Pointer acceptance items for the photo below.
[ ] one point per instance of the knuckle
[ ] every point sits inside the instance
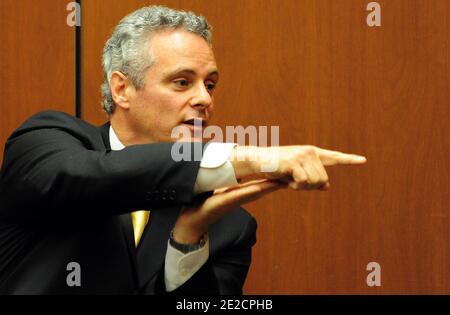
(286, 168)
(304, 151)
(309, 149)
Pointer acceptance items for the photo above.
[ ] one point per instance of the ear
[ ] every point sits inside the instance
(121, 89)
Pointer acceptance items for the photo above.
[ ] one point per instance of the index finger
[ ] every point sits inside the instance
(328, 158)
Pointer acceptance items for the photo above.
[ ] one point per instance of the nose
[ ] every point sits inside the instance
(202, 98)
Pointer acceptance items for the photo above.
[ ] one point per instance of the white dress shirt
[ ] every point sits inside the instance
(216, 171)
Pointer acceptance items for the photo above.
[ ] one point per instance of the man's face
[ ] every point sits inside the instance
(178, 87)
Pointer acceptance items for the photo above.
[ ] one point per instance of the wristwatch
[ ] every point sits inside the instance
(187, 248)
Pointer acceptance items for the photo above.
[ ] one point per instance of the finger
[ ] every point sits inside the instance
(222, 190)
(297, 186)
(300, 178)
(329, 158)
(238, 196)
(313, 176)
(325, 186)
(240, 185)
(254, 182)
(322, 173)
(252, 191)
(218, 205)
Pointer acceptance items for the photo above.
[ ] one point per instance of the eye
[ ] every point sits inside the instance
(181, 83)
(210, 86)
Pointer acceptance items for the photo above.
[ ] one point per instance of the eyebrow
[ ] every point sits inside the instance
(191, 72)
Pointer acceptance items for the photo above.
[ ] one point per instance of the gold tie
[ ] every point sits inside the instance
(140, 220)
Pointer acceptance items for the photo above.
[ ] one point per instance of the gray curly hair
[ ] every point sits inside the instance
(127, 50)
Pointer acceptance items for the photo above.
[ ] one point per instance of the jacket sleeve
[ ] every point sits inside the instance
(59, 170)
(225, 272)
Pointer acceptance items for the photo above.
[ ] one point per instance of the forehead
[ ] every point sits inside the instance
(172, 49)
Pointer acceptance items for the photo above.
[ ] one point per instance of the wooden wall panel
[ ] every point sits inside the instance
(314, 68)
(37, 60)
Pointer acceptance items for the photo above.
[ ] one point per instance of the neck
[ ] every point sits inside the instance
(124, 130)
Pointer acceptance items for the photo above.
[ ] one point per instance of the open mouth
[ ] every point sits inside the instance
(195, 122)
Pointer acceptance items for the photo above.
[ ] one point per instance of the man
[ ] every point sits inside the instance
(87, 210)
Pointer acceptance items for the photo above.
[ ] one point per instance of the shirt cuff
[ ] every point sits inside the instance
(216, 171)
(180, 267)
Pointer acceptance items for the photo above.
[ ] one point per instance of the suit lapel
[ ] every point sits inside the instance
(149, 257)
(125, 219)
(104, 130)
(127, 229)
(153, 246)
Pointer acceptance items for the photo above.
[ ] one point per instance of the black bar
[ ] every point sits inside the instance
(78, 67)
(262, 304)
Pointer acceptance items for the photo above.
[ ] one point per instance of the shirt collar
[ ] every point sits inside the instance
(114, 141)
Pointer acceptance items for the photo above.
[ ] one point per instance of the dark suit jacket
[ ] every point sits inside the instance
(66, 197)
